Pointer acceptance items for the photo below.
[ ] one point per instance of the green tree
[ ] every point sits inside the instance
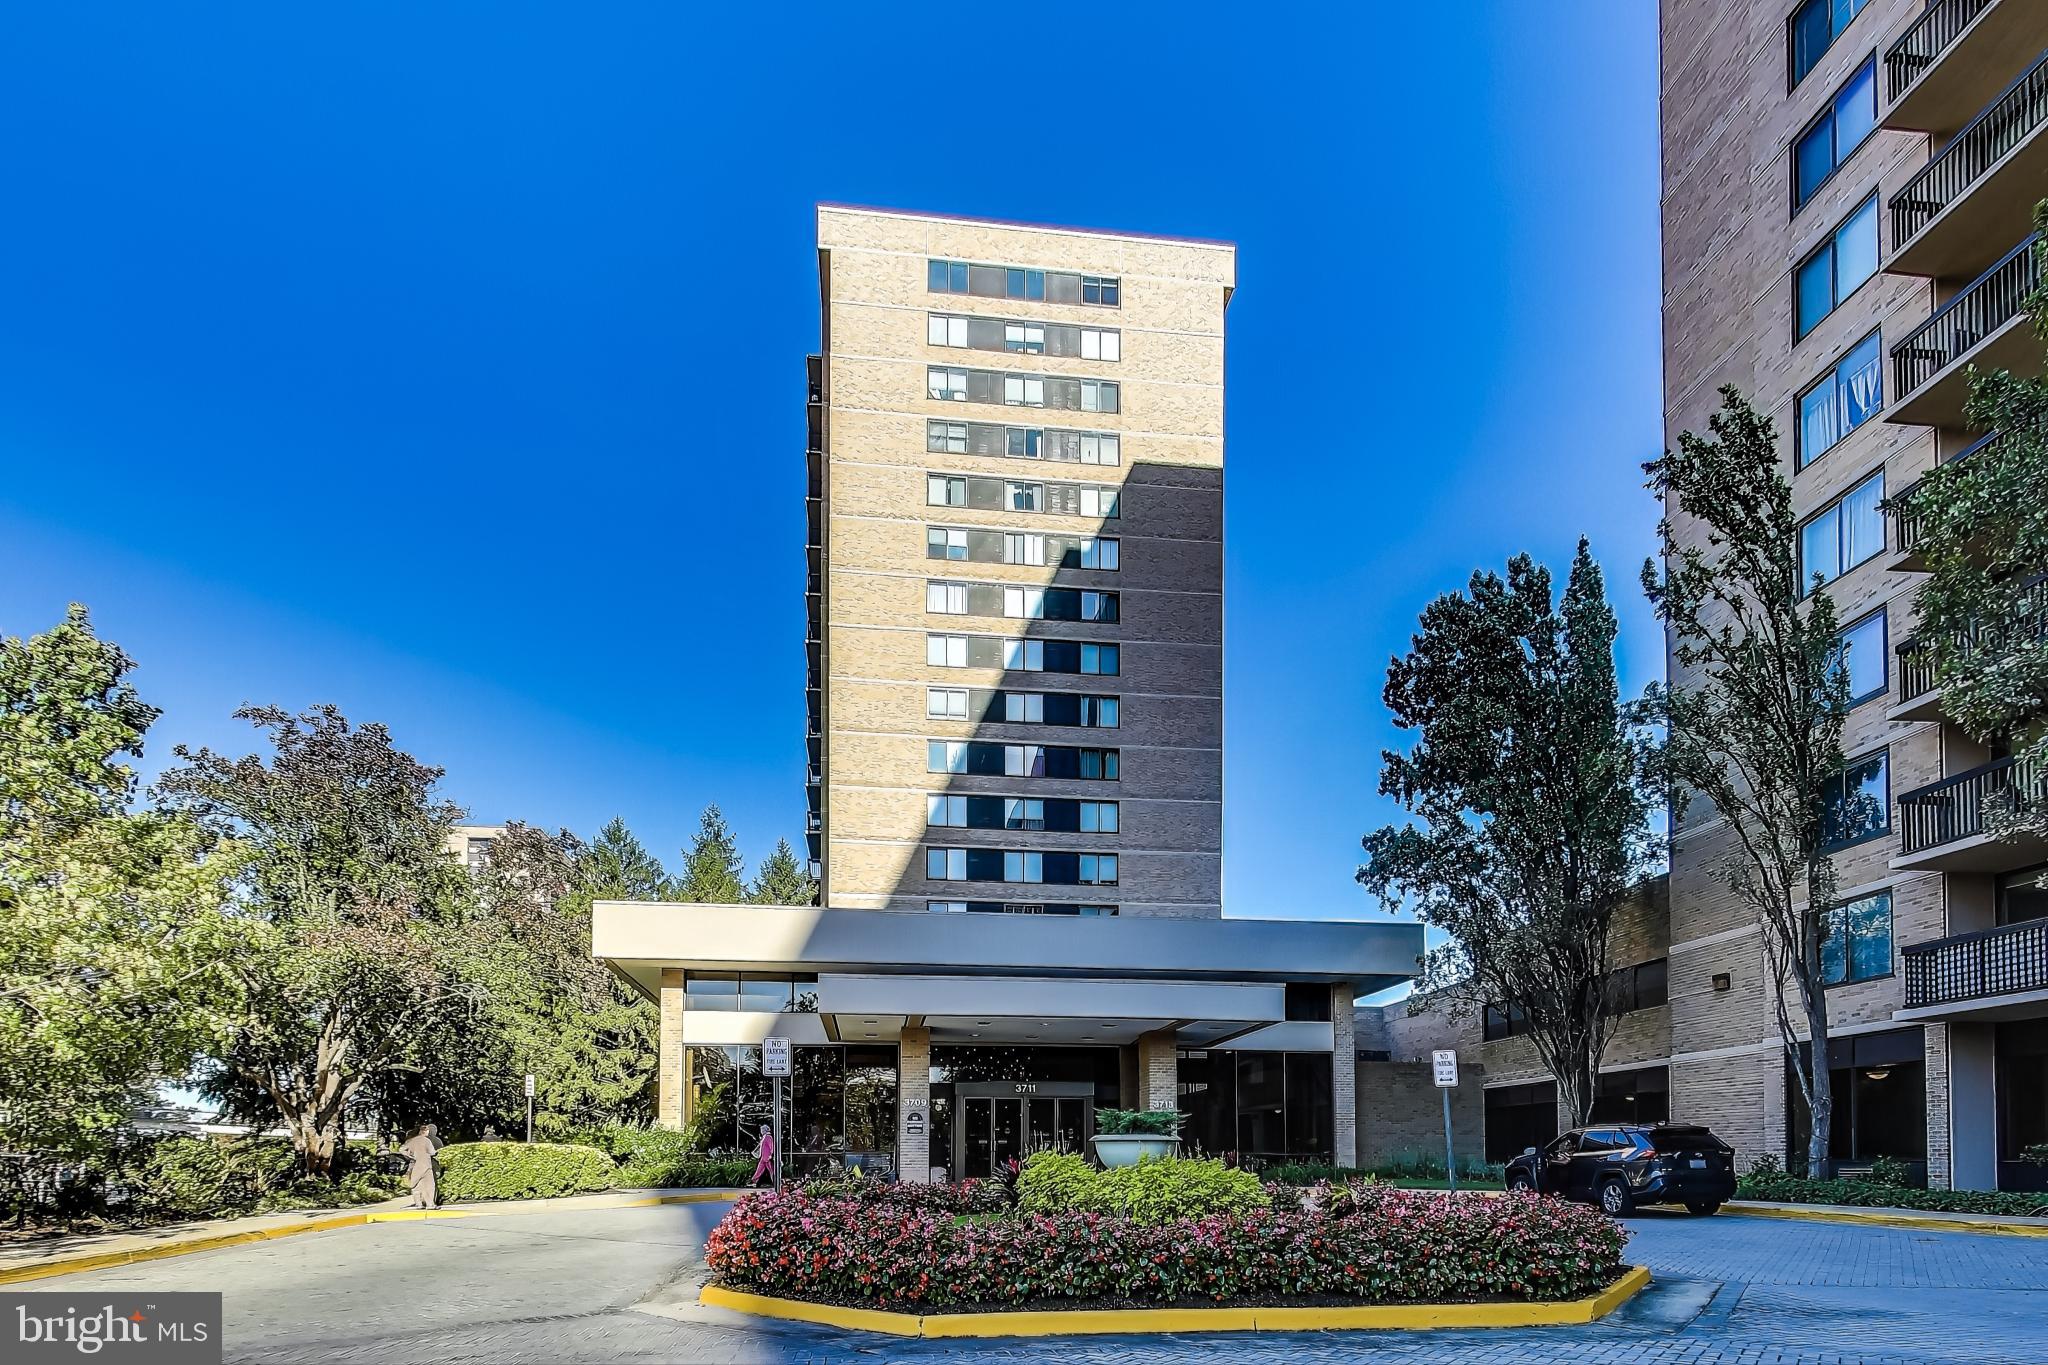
(112, 934)
(357, 964)
(617, 866)
(1526, 776)
(1753, 716)
(1983, 609)
(782, 880)
(713, 871)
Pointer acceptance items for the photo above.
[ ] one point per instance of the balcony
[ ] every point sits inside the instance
(1985, 325)
(1955, 58)
(1910, 526)
(1991, 974)
(1919, 690)
(1950, 220)
(1950, 825)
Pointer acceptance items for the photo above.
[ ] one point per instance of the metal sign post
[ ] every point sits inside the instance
(775, 1064)
(1444, 1062)
(529, 1106)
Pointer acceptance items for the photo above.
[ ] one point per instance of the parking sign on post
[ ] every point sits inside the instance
(1444, 1063)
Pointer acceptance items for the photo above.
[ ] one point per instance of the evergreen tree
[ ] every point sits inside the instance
(617, 866)
(782, 880)
(713, 871)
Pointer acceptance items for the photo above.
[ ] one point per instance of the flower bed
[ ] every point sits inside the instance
(1362, 1246)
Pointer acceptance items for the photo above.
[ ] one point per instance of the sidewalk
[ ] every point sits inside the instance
(1999, 1225)
(44, 1257)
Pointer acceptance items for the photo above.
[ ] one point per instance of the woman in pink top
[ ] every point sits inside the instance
(765, 1150)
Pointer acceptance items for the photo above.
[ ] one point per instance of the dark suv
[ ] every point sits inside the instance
(1626, 1164)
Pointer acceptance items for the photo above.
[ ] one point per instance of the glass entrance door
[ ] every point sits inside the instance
(996, 1128)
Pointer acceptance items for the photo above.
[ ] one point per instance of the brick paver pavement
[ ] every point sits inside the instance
(620, 1286)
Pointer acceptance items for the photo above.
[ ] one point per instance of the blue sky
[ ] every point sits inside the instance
(445, 362)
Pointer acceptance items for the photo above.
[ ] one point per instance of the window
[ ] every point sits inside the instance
(1021, 547)
(945, 864)
(1098, 869)
(1098, 764)
(1024, 760)
(477, 853)
(1099, 711)
(1863, 659)
(948, 386)
(1838, 131)
(1813, 28)
(1098, 606)
(1098, 552)
(1635, 988)
(1025, 284)
(1024, 708)
(946, 907)
(945, 703)
(1022, 442)
(1023, 391)
(1850, 531)
(945, 651)
(949, 599)
(945, 543)
(946, 811)
(1024, 604)
(1100, 659)
(1856, 804)
(1099, 396)
(946, 277)
(1101, 345)
(1856, 940)
(1025, 337)
(1023, 867)
(1098, 817)
(1099, 502)
(2022, 897)
(1023, 812)
(1102, 289)
(1100, 448)
(940, 330)
(947, 436)
(945, 756)
(1028, 655)
(1840, 264)
(1502, 1021)
(1841, 400)
(945, 490)
(1024, 497)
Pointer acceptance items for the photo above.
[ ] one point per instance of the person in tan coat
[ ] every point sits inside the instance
(418, 1151)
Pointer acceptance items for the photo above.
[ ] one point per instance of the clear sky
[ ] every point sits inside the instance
(445, 362)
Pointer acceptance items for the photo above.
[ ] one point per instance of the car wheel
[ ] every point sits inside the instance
(1705, 1207)
(1518, 1181)
(1614, 1199)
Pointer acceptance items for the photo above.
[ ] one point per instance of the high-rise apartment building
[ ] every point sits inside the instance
(1014, 679)
(1847, 197)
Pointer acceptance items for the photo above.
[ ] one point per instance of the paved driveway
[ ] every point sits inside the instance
(620, 1285)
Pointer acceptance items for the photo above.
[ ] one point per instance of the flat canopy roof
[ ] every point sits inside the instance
(640, 938)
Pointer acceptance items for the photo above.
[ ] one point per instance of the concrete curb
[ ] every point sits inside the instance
(1090, 1321)
(1930, 1222)
(101, 1260)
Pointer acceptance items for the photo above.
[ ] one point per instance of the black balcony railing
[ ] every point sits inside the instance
(1992, 299)
(2002, 126)
(1920, 46)
(1972, 966)
(1966, 805)
(1912, 523)
(2028, 621)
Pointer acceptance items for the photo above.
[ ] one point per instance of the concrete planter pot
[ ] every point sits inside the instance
(1128, 1149)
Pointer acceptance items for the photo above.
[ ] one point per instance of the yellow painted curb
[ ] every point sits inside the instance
(1079, 1321)
(1888, 1220)
(101, 1260)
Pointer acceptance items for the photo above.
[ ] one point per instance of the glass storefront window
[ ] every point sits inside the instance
(711, 990)
(1310, 1125)
(1262, 1104)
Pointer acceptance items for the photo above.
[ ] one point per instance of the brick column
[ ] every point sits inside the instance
(914, 1096)
(1939, 1100)
(1158, 1071)
(669, 1060)
(1344, 1074)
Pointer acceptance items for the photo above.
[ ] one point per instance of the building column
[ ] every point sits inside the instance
(669, 1061)
(914, 1106)
(1344, 1074)
(1971, 1117)
(1158, 1070)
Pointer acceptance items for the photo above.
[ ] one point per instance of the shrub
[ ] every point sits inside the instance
(520, 1170)
(1150, 1192)
(1766, 1180)
(1396, 1246)
(1152, 1122)
(961, 1197)
(662, 1158)
(1399, 1169)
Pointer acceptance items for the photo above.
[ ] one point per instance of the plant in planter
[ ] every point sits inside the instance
(1123, 1137)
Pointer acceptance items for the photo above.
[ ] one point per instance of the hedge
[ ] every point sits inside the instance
(1157, 1191)
(520, 1170)
(1777, 1187)
(1375, 1245)
(662, 1158)
(962, 1197)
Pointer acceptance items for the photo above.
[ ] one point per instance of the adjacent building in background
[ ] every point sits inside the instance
(1847, 199)
(1015, 698)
